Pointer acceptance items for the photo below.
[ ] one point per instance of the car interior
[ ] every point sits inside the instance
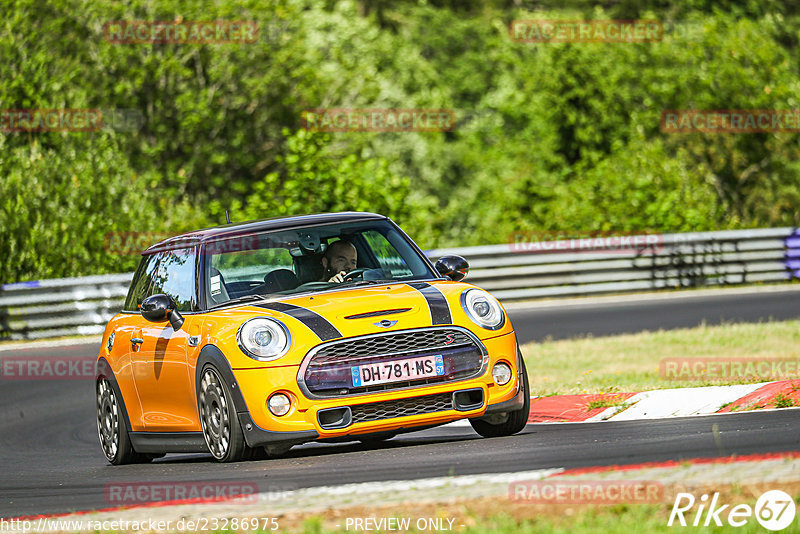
(307, 251)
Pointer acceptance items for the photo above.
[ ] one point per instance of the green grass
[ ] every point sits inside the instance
(782, 401)
(642, 519)
(605, 403)
(631, 362)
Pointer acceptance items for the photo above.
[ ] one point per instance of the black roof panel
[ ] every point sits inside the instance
(252, 227)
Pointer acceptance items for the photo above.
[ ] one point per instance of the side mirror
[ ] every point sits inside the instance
(453, 267)
(157, 308)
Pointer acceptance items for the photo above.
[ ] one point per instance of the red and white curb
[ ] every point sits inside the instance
(658, 404)
(662, 403)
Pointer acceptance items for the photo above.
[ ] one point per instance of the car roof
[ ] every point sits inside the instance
(196, 237)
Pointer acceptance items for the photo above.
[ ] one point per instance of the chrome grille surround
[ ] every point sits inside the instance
(398, 343)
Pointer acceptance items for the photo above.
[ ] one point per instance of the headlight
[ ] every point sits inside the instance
(483, 309)
(263, 339)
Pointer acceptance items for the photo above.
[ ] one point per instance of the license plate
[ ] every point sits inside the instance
(396, 371)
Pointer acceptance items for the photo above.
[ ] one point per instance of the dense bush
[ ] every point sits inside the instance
(548, 136)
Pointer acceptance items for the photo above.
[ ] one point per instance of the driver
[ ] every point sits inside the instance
(339, 259)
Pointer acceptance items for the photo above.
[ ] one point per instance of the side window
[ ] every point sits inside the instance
(175, 276)
(389, 259)
(142, 282)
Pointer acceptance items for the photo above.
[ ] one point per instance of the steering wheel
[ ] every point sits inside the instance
(354, 273)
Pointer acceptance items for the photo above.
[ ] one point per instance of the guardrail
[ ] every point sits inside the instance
(702, 259)
(61, 307)
(516, 271)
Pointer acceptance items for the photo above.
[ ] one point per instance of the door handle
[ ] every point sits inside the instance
(137, 340)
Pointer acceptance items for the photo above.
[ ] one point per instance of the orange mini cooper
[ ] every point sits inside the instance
(246, 339)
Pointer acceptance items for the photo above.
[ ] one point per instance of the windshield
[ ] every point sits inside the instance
(317, 258)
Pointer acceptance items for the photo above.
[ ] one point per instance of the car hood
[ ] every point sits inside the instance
(316, 318)
(378, 308)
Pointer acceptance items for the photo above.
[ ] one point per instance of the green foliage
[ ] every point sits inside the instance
(57, 205)
(315, 182)
(548, 136)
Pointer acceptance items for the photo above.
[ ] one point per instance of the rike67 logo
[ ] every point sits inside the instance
(774, 510)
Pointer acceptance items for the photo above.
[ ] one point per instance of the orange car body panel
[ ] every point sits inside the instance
(157, 378)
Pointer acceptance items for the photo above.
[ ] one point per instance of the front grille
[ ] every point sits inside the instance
(375, 411)
(386, 344)
(327, 369)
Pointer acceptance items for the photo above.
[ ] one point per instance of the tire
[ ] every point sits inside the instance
(111, 428)
(221, 428)
(515, 421)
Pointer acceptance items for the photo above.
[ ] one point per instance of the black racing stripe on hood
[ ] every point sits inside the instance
(317, 323)
(437, 303)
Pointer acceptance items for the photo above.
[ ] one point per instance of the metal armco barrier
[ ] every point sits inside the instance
(61, 307)
(518, 271)
(702, 259)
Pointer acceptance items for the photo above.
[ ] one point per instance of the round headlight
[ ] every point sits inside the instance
(483, 309)
(263, 339)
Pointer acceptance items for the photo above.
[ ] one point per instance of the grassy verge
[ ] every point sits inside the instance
(640, 519)
(631, 362)
(501, 516)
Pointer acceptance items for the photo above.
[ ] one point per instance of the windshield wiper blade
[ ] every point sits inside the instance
(356, 283)
(242, 298)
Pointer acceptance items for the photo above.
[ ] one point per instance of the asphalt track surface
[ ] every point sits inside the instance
(51, 461)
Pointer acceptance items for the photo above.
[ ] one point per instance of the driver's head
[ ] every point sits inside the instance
(340, 256)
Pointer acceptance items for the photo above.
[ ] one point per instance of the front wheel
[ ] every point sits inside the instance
(111, 428)
(221, 428)
(497, 425)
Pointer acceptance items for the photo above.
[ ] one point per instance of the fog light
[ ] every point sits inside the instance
(501, 372)
(279, 404)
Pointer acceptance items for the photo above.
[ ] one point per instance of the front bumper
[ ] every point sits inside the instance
(386, 411)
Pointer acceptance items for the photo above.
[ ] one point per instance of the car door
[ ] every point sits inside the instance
(161, 371)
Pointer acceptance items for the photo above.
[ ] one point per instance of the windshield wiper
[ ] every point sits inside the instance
(356, 283)
(242, 298)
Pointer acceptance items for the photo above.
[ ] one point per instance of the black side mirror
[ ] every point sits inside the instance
(157, 308)
(453, 267)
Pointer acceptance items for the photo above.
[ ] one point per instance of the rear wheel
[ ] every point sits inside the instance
(111, 428)
(221, 428)
(497, 425)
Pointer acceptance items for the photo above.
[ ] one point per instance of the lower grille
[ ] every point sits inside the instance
(375, 411)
